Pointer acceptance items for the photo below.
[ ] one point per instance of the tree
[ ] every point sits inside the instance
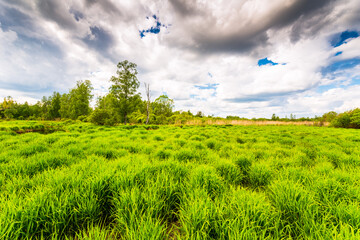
(199, 114)
(342, 120)
(105, 112)
(80, 97)
(329, 116)
(65, 105)
(76, 103)
(54, 111)
(102, 117)
(355, 118)
(45, 106)
(163, 105)
(124, 88)
(274, 117)
(8, 107)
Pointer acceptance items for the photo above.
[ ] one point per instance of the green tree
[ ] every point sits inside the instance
(274, 117)
(328, 117)
(105, 112)
(77, 102)
(163, 105)
(355, 118)
(125, 87)
(8, 107)
(45, 106)
(65, 105)
(80, 98)
(54, 110)
(200, 114)
(342, 120)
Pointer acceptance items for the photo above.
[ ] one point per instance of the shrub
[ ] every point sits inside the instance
(83, 118)
(355, 118)
(349, 119)
(102, 117)
(342, 121)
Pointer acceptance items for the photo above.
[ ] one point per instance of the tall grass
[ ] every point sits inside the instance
(189, 182)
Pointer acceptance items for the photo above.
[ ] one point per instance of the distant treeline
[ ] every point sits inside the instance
(123, 104)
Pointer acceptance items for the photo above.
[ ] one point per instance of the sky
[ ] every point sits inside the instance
(249, 58)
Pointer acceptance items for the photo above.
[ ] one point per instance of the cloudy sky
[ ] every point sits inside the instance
(249, 58)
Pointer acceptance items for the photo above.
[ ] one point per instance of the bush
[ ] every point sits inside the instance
(355, 118)
(349, 119)
(102, 117)
(82, 118)
(341, 121)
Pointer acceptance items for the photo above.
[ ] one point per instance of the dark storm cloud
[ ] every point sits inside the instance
(306, 16)
(13, 19)
(185, 8)
(289, 15)
(106, 5)
(312, 17)
(57, 12)
(77, 14)
(100, 40)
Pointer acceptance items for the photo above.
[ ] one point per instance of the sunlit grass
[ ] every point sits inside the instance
(80, 181)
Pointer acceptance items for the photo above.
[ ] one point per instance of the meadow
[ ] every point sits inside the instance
(72, 180)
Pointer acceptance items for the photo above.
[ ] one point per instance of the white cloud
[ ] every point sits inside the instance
(223, 38)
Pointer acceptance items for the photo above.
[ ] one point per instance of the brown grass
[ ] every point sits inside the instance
(250, 122)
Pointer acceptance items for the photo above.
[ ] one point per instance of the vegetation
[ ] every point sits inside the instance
(123, 104)
(349, 119)
(73, 180)
(124, 89)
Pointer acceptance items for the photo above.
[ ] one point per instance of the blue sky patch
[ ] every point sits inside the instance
(355, 81)
(340, 38)
(266, 61)
(207, 86)
(155, 29)
(338, 53)
(340, 65)
(325, 88)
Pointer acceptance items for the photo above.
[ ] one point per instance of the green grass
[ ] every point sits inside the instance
(80, 181)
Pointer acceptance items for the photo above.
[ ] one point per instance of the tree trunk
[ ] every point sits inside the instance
(148, 102)
(125, 115)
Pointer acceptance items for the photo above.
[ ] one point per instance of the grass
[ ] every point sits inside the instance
(80, 181)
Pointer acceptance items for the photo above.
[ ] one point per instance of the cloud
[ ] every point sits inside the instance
(203, 54)
(243, 26)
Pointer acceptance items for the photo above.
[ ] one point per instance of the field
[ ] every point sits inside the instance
(71, 180)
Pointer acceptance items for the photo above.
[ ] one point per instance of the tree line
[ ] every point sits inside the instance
(72, 105)
(123, 104)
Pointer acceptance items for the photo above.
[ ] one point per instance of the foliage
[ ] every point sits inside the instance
(349, 119)
(124, 88)
(102, 117)
(329, 116)
(163, 105)
(77, 102)
(54, 111)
